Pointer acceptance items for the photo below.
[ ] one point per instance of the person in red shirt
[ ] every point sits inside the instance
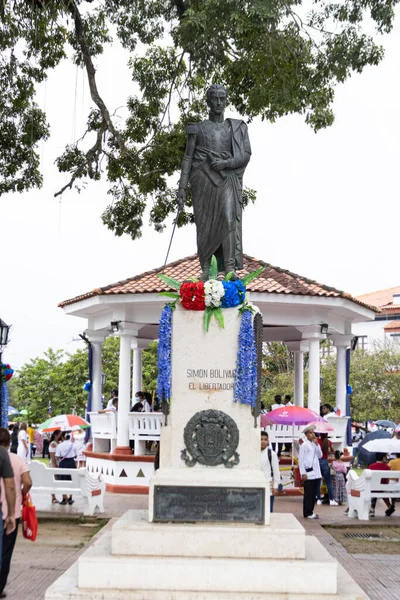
(326, 448)
(381, 465)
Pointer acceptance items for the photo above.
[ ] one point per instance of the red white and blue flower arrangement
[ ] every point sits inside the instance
(211, 297)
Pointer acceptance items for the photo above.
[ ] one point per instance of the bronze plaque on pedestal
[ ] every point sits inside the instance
(190, 504)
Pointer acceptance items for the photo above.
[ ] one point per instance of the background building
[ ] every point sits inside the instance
(386, 325)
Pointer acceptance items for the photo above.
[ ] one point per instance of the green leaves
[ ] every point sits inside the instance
(57, 379)
(208, 313)
(169, 295)
(275, 57)
(251, 276)
(219, 317)
(213, 272)
(170, 281)
(207, 317)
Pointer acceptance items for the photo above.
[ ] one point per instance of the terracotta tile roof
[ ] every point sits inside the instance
(383, 299)
(391, 308)
(272, 280)
(392, 326)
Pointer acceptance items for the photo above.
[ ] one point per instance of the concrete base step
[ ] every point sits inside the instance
(98, 569)
(133, 535)
(65, 588)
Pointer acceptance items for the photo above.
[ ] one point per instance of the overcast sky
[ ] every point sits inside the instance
(327, 206)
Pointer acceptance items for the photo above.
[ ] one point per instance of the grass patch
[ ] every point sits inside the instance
(74, 533)
(387, 543)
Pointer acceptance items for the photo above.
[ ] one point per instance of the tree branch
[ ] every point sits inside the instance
(91, 73)
(92, 155)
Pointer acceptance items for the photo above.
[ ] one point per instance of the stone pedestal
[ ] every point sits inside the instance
(203, 366)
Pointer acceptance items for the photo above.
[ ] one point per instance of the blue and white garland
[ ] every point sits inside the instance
(164, 379)
(246, 383)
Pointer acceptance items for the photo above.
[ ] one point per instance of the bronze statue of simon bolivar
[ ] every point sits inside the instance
(216, 156)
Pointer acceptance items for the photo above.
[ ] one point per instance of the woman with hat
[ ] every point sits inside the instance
(310, 472)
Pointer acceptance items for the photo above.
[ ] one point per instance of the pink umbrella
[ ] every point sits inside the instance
(322, 427)
(266, 421)
(293, 415)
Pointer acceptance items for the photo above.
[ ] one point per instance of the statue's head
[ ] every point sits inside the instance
(216, 98)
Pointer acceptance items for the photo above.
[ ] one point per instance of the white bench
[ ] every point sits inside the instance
(144, 427)
(44, 479)
(369, 485)
(104, 431)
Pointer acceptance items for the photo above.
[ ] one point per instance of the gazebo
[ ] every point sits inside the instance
(296, 311)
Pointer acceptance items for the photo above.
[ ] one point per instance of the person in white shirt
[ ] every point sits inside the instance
(277, 402)
(66, 453)
(327, 411)
(287, 401)
(114, 395)
(356, 437)
(23, 443)
(270, 467)
(309, 456)
(112, 408)
(146, 402)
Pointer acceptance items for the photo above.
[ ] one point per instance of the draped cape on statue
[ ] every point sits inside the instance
(217, 195)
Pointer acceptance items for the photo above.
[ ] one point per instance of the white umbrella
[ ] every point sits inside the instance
(386, 445)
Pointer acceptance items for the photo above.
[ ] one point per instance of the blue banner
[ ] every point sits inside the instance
(348, 406)
(4, 405)
(89, 400)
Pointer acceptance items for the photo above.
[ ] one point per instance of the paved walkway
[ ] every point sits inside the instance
(36, 565)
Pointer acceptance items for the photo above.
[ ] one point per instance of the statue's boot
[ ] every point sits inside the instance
(228, 250)
(205, 274)
(230, 268)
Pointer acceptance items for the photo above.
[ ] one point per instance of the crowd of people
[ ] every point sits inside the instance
(315, 469)
(323, 469)
(279, 402)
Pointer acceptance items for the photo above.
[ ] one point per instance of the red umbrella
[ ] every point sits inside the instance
(292, 415)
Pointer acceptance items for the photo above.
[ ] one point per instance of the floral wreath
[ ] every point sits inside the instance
(211, 296)
(6, 372)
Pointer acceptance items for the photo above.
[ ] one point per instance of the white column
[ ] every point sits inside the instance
(96, 375)
(298, 378)
(298, 348)
(342, 343)
(314, 383)
(136, 372)
(124, 389)
(96, 339)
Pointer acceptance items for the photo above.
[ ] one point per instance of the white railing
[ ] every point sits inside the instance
(144, 427)
(104, 431)
(279, 434)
